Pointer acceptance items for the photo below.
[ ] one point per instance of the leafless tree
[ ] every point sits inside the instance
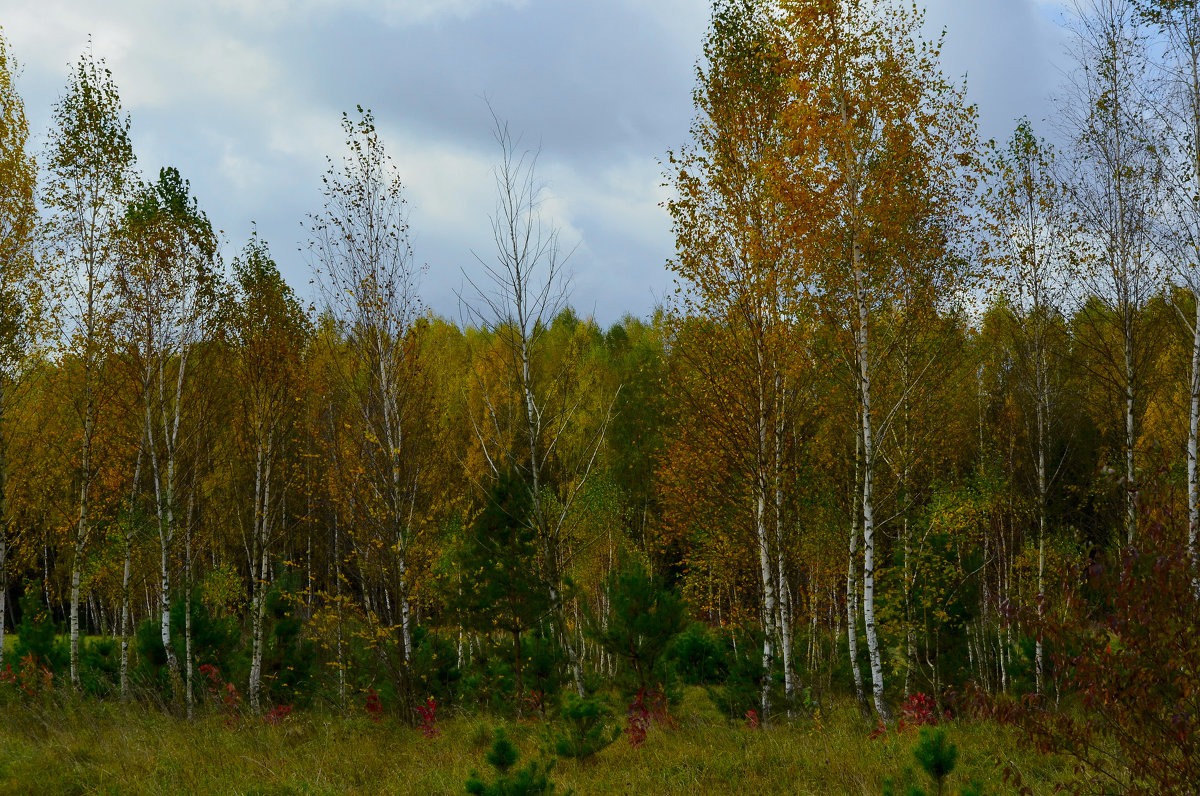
(516, 297)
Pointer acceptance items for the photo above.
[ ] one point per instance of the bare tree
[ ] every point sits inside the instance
(1179, 71)
(516, 297)
(1114, 187)
(1026, 207)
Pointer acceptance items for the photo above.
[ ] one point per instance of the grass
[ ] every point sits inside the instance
(66, 746)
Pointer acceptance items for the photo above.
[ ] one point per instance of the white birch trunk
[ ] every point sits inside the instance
(5, 519)
(785, 602)
(766, 576)
(1042, 411)
(4, 523)
(187, 606)
(82, 526)
(1193, 489)
(852, 577)
(868, 498)
(125, 616)
(1130, 472)
(256, 582)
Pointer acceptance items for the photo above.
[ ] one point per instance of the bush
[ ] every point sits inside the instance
(435, 666)
(642, 620)
(100, 666)
(214, 642)
(37, 635)
(531, 780)
(742, 690)
(1126, 644)
(699, 656)
(937, 758)
(586, 730)
(289, 659)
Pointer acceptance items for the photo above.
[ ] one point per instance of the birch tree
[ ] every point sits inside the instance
(1178, 22)
(18, 226)
(878, 178)
(269, 333)
(89, 169)
(167, 281)
(1114, 185)
(365, 269)
(738, 268)
(1026, 208)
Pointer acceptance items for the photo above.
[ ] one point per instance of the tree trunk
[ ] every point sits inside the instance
(766, 576)
(81, 531)
(1130, 472)
(1042, 410)
(785, 602)
(259, 570)
(189, 657)
(852, 579)
(868, 498)
(125, 615)
(4, 523)
(1193, 433)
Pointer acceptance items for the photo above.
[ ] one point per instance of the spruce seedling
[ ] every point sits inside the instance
(530, 780)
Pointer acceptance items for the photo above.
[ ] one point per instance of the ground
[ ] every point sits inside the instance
(59, 745)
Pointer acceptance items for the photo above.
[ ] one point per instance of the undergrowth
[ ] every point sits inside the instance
(63, 745)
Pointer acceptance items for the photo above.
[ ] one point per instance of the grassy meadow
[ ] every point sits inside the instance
(60, 745)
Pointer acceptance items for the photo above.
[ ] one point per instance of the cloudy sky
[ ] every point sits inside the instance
(245, 97)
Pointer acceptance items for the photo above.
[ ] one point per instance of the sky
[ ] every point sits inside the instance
(245, 98)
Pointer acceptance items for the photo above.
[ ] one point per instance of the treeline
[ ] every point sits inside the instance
(913, 394)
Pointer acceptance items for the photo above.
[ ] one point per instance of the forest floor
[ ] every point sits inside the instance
(66, 746)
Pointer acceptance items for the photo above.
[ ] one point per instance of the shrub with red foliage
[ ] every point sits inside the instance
(31, 677)
(225, 693)
(428, 715)
(374, 706)
(918, 710)
(648, 706)
(277, 714)
(752, 722)
(1126, 646)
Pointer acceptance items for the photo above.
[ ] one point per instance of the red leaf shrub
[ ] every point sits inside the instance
(428, 716)
(374, 706)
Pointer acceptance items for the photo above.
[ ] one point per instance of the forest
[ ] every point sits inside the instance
(908, 458)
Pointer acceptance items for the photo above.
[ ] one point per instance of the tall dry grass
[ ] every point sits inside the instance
(60, 745)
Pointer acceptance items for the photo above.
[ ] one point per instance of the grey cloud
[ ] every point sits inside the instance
(603, 85)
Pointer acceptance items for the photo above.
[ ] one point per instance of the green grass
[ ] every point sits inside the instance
(66, 746)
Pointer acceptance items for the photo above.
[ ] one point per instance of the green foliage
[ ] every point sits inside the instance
(586, 729)
(214, 641)
(435, 666)
(289, 660)
(37, 634)
(488, 681)
(937, 758)
(499, 585)
(699, 656)
(530, 780)
(936, 755)
(642, 620)
(100, 666)
(742, 689)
